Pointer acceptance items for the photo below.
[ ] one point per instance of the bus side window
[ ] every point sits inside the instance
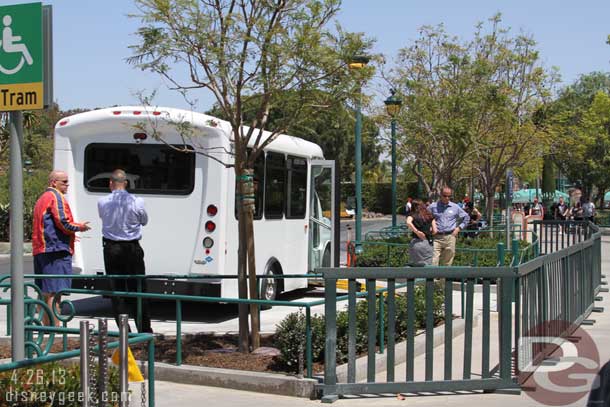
(275, 181)
(296, 188)
(259, 185)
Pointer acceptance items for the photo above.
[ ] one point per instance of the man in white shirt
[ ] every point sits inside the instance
(123, 216)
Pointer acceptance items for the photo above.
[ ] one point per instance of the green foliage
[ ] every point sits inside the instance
(290, 339)
(602, 217)
(377, 197)
(37, 141)
(34, 184)
(290, 333)
(579, 124)
(480, 251)
(50, 384)
(469, 103)
(387, 253)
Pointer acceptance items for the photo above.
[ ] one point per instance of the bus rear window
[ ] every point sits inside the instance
(150, 168)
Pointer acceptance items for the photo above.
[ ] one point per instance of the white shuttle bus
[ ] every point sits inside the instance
(190, 198)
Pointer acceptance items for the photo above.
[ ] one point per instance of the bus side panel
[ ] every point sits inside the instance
(283, 240)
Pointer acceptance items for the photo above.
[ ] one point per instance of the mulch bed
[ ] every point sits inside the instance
(212, 351)
(198, 350)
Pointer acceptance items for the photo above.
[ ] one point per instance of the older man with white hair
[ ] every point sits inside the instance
(53, 234)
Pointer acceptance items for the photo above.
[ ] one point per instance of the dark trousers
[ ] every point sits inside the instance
(126, 258)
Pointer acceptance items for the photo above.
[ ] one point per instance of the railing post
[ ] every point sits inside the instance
(102, 382)
(505, 329)
(308, 350)
(330, 346)
(178, 332)
(139, 306)
(515, 250)
(500, 254)
(123, 349)
(381, 323)
(151, 373)
(84, 362)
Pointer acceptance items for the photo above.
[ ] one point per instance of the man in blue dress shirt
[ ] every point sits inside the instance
(123, 216)
(450, 219)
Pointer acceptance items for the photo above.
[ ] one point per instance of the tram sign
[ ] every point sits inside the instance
(21, 57)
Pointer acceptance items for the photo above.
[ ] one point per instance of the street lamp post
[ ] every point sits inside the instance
(392, 106)
(358, 62)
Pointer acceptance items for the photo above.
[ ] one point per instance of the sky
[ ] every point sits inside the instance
(91, 40)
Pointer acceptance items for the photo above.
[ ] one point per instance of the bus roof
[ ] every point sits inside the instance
(138, 114)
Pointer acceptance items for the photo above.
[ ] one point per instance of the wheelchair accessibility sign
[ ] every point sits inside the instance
(21, 57)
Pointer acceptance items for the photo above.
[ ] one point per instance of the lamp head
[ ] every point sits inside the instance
(358, 61)
(393, 104)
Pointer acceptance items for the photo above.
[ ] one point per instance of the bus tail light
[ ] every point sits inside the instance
(208, 242)
(210, 226)
(139, 136)
(212, 210)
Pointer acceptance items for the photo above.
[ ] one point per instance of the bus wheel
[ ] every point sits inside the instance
(326, 257)
(269, 286)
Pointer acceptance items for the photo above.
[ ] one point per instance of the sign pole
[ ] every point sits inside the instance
(16, 225)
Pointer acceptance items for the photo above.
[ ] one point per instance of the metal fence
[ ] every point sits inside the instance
(556, 292)
(558, 285)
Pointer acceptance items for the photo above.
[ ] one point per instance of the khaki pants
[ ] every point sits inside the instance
(444, 250)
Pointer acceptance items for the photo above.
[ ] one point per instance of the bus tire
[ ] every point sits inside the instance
(326, 257)
(269, 286)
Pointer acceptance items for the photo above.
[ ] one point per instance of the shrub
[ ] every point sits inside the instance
(378, 254)
(51, 384)
(290, 339)
(290, 333)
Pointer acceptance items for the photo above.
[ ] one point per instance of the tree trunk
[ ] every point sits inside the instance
(489, 209)
(548, 183)
(248, 199)
(242, 282)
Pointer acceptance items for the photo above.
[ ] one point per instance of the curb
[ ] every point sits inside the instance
(271, 383)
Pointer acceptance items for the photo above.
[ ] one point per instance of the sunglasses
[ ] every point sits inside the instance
(446, 196)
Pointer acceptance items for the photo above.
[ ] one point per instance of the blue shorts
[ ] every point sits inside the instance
(53, 263)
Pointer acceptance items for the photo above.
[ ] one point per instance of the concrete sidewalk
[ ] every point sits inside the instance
(171, 394)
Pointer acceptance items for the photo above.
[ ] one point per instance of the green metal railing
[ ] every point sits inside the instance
(559, 285)
(179, 300)
(445, 277)
(556, 292)
(45, 357)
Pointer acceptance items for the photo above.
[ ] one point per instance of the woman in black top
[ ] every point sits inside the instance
(423, 225)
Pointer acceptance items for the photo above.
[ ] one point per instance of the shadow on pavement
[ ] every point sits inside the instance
(159, 310)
